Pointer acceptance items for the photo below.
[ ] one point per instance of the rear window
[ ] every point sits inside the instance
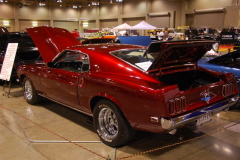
(135, 57)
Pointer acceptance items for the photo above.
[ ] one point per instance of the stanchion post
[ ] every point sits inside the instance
(5, 85)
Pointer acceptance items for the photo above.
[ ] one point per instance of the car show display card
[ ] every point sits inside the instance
(8, 61)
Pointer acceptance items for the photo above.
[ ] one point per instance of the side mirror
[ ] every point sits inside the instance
(50, 64)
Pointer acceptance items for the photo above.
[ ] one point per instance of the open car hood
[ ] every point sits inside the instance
(177, 53)
(50, 41)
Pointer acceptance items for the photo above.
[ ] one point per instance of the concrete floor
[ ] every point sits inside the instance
(52, 122)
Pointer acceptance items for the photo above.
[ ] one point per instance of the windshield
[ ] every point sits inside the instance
(135, 57)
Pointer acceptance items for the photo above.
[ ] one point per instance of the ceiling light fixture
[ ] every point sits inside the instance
(74, 6)
(85, 24)
(41, 4)
(59, 1)
(34, 24)
(95, 3)
(5, 23)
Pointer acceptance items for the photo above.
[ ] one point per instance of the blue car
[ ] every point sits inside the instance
(228, 63)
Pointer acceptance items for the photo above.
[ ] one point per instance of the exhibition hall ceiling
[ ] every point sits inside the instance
(68, 3)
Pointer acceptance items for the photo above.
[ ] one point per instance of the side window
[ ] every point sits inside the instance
(70, 66)
(73, 61)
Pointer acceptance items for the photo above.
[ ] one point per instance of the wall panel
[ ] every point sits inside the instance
(160, 21)
(92, 25)
(175, 7)
(63, 13)
(23, 24)
(133, 7)
(88, 13)
(189, 20)
(108, 10)
(133, 21)
(33, 12)
(6, 10)
(202, 4)
(110, 23)
(68, 25)
(209, 20)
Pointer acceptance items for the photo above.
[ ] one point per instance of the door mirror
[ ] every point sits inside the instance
(50, 64)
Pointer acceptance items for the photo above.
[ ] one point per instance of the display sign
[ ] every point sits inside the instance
(226, 41)
(8, 61)
(72, 19)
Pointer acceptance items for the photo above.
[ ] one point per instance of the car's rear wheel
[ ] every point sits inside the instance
(111, 125)
(30, 93)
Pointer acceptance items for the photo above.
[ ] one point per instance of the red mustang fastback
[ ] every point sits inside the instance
(125, 87)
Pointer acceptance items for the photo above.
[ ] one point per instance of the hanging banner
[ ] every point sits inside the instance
(226, 41)
(8, 61)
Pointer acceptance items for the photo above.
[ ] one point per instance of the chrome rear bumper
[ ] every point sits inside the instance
(192, 117)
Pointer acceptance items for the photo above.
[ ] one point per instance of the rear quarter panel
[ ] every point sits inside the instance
(137, 99)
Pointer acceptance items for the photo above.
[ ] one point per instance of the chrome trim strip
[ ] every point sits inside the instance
(189, 118)
(89, 114)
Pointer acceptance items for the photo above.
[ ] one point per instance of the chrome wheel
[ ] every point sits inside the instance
(28, 91)
(108, 124)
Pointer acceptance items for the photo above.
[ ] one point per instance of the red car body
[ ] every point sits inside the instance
(98, 40)
(162, 90)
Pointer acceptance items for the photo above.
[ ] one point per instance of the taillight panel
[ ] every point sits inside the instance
(177, 105)
(227, 89)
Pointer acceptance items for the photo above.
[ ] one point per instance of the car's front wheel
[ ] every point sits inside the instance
(30, 93)
(111, 125)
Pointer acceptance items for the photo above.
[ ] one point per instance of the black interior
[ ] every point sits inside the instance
(229, 60)
(75, 66)
(189, 79)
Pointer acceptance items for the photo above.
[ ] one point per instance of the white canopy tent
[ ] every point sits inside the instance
(142, 25)
(123, 26)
